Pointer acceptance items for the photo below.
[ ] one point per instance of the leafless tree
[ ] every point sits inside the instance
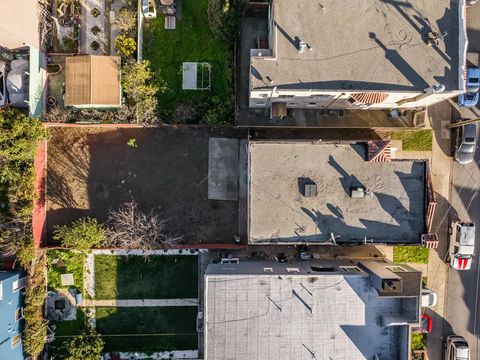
(125, 21)
(130, 228)
(12, 236)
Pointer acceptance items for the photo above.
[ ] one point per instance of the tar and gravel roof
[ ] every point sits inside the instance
(278, 212)
(363, 45)
(297, 316)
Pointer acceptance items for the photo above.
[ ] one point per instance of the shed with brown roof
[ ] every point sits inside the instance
(92, 81)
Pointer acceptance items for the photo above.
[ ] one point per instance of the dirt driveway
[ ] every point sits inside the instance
(91, 170)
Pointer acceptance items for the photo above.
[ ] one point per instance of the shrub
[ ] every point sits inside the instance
(35, 325)
(125, 45)
(141, 85)
(132, 143)
(34, 335)
(82, 235)
(217, 113)
(88, 346)
(125, 21)
(26, 253)
(222, 19)
(19, 136)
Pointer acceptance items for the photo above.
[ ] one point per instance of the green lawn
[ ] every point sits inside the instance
(413, 254)
(133, 277)
(153, 322)
(191, 41)
(73, 264)
(414, 140)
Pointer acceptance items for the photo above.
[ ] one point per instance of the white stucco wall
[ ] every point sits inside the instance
(19, 23)
(338, 99)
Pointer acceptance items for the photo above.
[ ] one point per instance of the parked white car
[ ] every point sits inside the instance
(456, 348)
(429, 298)
(3, 83)
(18, 83)
(462, 244)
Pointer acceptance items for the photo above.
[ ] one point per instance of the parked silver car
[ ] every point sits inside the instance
(466, 143)
(3, 83)
(456, 348)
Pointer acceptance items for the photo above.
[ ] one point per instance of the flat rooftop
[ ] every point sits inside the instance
(365, 45)
(279, 213)
(298, 316)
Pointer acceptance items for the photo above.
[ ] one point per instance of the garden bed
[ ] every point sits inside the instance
(145, 329)
(73, 264)
(134, 277)
(191, 41)
(410, 254)
(420, 140)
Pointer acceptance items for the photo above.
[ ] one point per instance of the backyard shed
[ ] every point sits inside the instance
(92, 81)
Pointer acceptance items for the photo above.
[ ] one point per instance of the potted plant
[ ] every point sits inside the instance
(95, 12)
(95, 45)
(95, 30)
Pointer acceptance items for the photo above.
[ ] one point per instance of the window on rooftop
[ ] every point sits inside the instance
(323, 268)
(19, 314)
(396, 269)
(267, 269)
(293, 270)
(16, 340)
(351, 269)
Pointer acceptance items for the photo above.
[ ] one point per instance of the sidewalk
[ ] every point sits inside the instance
(140, 303)
(439, 115)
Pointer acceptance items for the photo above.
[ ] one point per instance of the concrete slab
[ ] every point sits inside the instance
(223, 169)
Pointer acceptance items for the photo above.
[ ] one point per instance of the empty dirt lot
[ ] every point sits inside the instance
(91, 170)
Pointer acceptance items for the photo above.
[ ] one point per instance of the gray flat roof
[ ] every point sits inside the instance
(298, 316)
(278, 212)
(362, 45)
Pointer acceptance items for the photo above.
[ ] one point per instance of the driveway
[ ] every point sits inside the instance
(462, 296)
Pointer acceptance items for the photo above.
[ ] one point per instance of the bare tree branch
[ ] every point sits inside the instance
(130, 228)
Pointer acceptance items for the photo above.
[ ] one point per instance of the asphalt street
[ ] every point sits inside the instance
(462, 310)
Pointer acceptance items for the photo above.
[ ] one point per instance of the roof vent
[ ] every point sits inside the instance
(302, 45)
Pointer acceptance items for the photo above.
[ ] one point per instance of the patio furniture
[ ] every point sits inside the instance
(170, 22)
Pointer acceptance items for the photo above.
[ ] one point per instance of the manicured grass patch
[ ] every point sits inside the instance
(418, 342)
(73, 262)
(191, 41)
(412, 254)
(134, 277)
(171, 328)
(414, 140)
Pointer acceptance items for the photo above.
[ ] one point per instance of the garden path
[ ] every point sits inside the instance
(141, 303)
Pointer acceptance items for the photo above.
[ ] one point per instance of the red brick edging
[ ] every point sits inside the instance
(39, 209)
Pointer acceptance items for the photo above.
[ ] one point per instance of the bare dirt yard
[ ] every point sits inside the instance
(91, 170)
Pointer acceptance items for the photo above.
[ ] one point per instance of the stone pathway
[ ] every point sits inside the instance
(92, 21)
(140, 303)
